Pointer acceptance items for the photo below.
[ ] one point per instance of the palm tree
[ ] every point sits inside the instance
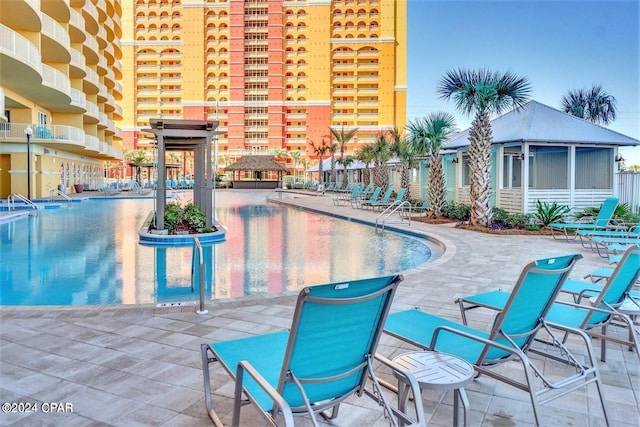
(427, 136)
(366, 156)
(382, 154)
(594, 105)
(483, 92)
(407, 157)
(296, 155)
(345, 162)
(136, 158)
(342, 138)
(332, 150)
(320, 150)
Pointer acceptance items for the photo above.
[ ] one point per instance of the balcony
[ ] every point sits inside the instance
(76, 65)
(109, 79)
(102, 66)
(60, 137)
(79, 100)
(76, 27)
(91, 143)
(117, 114)
(3, 118)
(90, 13)
(91, 81)
(91, 50)
(55, 42)
(55, 90)
(92, 113)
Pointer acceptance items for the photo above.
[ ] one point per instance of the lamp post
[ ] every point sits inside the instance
(28, 132)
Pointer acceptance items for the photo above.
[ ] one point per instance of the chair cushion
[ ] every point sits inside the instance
(264, 352)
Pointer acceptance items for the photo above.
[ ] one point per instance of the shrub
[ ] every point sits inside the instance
(172, 215)
(547, 213)
(518, 220)
(501, 219)
(194, 217)
(458, 211)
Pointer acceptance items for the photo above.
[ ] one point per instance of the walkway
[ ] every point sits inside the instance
(140, 365)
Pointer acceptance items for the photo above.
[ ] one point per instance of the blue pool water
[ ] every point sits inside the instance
(89, 253)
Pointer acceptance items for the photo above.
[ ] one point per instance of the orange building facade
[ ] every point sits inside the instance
(276, 74)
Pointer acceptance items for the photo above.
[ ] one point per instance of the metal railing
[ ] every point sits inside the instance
(383, 216)
(53, 193)
(198, 262)
(12, 203)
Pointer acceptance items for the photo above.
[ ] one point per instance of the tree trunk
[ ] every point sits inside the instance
(479, 169)
(437, 191)
(404, 181)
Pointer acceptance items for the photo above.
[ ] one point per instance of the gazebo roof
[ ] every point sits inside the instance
(537, 122)
(256, 163)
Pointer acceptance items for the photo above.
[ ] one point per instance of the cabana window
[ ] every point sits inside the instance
(550, 168)
(589, 160)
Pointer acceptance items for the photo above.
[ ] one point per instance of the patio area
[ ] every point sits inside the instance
(140, 365)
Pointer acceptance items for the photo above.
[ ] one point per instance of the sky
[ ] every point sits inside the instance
(558, 45)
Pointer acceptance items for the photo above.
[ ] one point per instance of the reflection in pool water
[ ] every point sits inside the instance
(89, 253)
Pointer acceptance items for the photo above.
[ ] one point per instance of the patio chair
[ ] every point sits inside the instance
(325, 357)
(383, 205)
(510, 338)
(374, 196)
(600, 222)
(374, 202)
(629, 231)
(605, 245)
(341, 199)
(599, 312)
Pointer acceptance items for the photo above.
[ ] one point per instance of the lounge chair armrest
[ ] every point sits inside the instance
(570, 330)
(608, 310)
(278, 400)
(514, 350)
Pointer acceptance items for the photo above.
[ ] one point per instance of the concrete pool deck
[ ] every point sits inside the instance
(140, 365)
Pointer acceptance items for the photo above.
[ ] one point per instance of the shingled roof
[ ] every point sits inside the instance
(256, 163)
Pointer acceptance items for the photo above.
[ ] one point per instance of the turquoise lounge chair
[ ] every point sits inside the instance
(341, 199)
(601, 221)
(632, 231)
(597, 314)
(383, 205)
(510, 338)
(374, 202)
(374, 196)
(325, 357)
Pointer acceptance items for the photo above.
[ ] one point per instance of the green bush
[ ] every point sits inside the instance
(548, 213)
(458, 211)
(172, 215)
(194, 217)
(518, 220)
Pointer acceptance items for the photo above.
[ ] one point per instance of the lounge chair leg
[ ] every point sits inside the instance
(207, 386)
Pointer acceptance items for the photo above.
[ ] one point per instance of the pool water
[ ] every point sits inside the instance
(89, 253)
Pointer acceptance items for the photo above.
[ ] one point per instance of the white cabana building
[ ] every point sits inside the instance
(540, 153)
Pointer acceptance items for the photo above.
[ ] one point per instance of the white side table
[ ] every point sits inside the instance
(436, 371)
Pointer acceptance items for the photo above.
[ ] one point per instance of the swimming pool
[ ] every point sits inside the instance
(89, 253)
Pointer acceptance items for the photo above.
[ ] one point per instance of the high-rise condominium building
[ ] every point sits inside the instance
(276, 74)
(59, 88)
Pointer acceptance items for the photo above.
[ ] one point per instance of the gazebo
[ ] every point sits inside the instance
(186, 135)
(249, 172)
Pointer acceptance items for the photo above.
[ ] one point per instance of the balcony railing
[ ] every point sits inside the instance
(18, 46)
(56, 79)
